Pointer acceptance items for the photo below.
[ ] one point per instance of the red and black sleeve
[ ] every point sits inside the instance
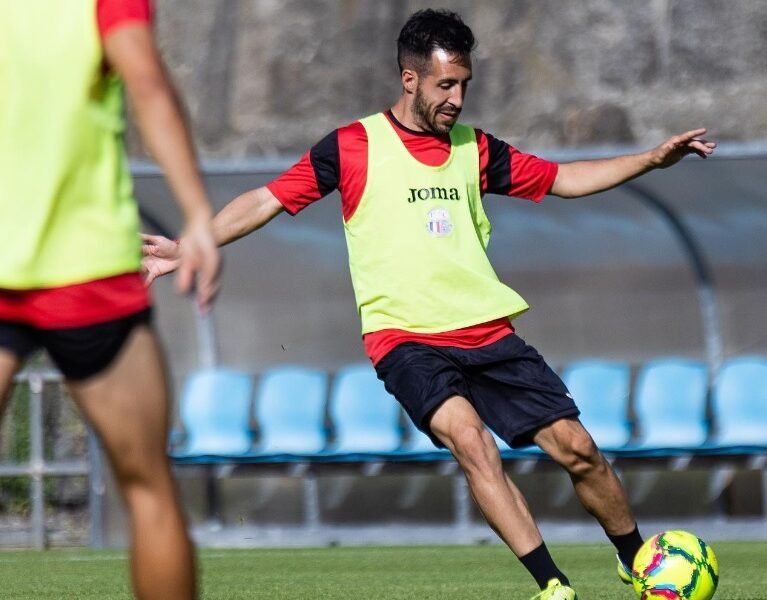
(313, 177)
(337, 162)
(506, 171)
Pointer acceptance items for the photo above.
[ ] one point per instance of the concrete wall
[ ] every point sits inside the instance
(271, 77)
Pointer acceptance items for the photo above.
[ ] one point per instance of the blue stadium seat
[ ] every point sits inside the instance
(739, 403)
(290, 411)
(366, 418)
(670, 404)
(601, 391)
(417, 441)
(215, 411)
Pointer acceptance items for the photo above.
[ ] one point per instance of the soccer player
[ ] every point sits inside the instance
(436, 321)
(69, 270)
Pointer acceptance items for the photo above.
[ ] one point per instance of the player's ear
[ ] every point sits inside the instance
(409, 80)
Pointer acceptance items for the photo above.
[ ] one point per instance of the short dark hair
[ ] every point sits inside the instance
(429, 30)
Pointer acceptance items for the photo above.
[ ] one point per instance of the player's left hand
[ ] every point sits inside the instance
(160, 256)
(676, 148)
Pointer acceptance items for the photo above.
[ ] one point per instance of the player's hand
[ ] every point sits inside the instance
(676, 148)
(199, 264)
(160, 256)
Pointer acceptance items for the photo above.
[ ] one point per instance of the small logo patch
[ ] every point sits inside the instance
(438, 222)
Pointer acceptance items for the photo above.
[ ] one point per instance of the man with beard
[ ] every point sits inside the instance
(436, 321)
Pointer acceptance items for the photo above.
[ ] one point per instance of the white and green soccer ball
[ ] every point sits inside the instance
(675, 565)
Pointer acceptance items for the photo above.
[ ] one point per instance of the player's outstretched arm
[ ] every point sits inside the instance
(131, 51)
(246, 213)
(586, 177)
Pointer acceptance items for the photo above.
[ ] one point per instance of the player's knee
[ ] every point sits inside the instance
(581, 455)
(475, 448)
(131, 474)
(135, 469)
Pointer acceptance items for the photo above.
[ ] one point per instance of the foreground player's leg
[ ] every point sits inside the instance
(9, 364)
(596, 484)
(458, 426)
(128, 406)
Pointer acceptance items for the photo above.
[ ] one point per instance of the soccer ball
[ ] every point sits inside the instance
(675, 565)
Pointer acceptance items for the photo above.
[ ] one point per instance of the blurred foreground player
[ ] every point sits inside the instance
(69, 269)
(435, 317)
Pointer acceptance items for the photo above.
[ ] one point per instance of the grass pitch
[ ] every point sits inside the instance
(381, 573)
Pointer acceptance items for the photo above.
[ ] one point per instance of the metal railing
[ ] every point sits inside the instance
(37, 468)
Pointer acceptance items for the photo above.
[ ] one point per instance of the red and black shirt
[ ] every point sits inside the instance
(340, 162)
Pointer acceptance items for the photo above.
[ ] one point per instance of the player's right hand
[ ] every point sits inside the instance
(199, 269)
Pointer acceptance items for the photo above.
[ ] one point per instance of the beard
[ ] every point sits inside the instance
(426, 115)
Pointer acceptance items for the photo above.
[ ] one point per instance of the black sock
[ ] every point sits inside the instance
(627, 545)
(542, 567)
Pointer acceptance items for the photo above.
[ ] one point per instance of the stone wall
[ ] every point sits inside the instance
(271, 77)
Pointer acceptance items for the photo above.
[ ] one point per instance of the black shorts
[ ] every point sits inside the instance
(78, 352)
(507, 382)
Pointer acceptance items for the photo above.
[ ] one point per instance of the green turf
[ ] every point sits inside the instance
(423, 573)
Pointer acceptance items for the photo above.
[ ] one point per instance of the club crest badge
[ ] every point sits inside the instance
(438, 222)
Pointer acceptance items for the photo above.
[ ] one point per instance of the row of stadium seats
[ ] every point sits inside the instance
(301, 414)
(674, 405)
(291, 410)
